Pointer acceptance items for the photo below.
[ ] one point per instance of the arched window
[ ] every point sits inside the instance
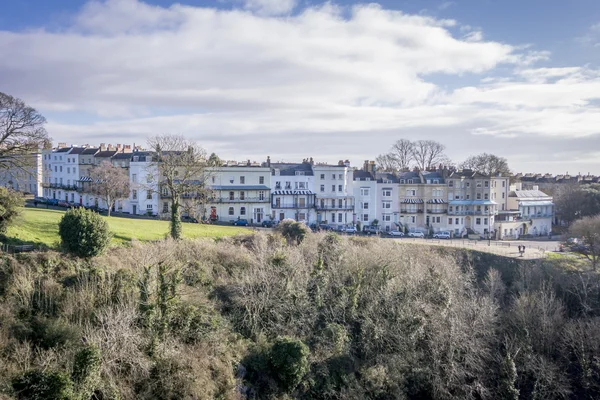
(230, 210)
(243, 211)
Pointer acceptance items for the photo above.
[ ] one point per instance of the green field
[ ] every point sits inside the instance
(40, 226)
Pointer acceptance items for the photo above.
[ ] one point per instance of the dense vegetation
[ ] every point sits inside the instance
(322, 318)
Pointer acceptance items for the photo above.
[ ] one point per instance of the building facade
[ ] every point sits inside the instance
(292, 194)
(334, 194)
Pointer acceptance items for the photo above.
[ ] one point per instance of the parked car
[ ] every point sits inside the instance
(442, 235)
(62, 203)
(52, 202)
(187, 218)
(241, 222)
(326, 227)
(396, 233)
(350, 229)
(371, 230)
(416, 234)
(74, 205)
(269, 223)
(40, 200)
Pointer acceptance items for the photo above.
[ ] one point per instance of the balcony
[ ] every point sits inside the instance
(245, 199)
(292, 206)
(61, 186)
(322, 207)
(472, 212)
(437, 211)
(411, 211)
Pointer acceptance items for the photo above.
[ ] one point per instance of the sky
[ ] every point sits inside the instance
(293, 79)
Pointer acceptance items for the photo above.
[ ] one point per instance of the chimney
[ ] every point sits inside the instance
(102, 146)
(269, 161)
(312, 162)
(366, 166)
(248, 163)
(373, 168)
(347, 163)
(62, 145)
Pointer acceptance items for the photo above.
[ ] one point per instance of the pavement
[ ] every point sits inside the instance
(534, 249)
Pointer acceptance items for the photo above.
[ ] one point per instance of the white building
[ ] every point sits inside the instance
(143, 178)
(335, 199)
(240, 191)
(529, 212)
(365, 195)
(388, 204)
(292, 194)
(26, 178)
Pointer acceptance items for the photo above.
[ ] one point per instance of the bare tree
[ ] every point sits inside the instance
(589, 230)
(487, 164)
(427, 153)
(110, 183)
(386, 162)
(182, 168)
(402, 152)
(570, 202)
(22, 133)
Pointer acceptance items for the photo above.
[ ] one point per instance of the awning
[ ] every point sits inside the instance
(436, 201)
(85, 179)
(412, 201)
(293, 192)
(535, 203)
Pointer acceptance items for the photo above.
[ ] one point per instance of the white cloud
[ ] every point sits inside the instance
(270, 7)
(243, 80)
(591, 37)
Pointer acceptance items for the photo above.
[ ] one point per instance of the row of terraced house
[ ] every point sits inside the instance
(458, 201)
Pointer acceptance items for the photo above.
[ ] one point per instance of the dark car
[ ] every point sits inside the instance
(40, 200)
(371, 230)
(52, 202)
(268, 223)
(62, 203)
(241, 222)
(74, 205)
(187, 218)
(326, 227)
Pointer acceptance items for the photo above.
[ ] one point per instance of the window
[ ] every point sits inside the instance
(277, 202)
(413, 219)
(503, 183)
(340, 188)
(469, 196)
(134, 194)
(55, 168)
(340, 203)
(302, 216)
(332, 203)
(478, 196)
(230, 210)
(456, 221)
(231, 195)
(332, 176)
(450, 208)
(261, 195)
(387, 204)
(365, 206)
(410, 181)
(149, 207)
(332, 217)
(261, 180)
(485, 221)
(402, 181)
(61, 168)
(242, 195)
(486, 196)
(340, 217)
(149, 195)
(149, 178)
(478, 221)
(387, 193)
(302, 202)
(134, 178)
(278, 185)
(478, 184)
(479, 208)
(502, 195)
(213, 179)
(302, 185)
(242, 180)
(365, 217)
(486, 184)
(340, 177)
(165, 207)
(333, 188)
(438, 219)
(387, 217)
(411, 192)
(322, 188)
(322, 176)
(450, 183)
(68, 170)
(242, 210)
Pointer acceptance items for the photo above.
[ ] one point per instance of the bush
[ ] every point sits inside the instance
(86, 371)
(83, 233)
(10, 201)
(37, 385)
(292, 231)
(46, 333)
(289, 362)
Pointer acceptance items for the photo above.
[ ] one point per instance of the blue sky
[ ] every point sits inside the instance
(293, 78)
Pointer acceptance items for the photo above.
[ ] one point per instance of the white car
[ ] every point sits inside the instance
(441, 235)
(416, 234)
(396, 233)
(350, 229)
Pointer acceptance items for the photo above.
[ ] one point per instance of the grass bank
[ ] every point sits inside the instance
(40, 226)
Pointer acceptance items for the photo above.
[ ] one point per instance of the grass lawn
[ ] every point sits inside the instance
(40, 226)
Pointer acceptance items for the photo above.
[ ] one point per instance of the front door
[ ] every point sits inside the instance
(281, 216)
(134, 209)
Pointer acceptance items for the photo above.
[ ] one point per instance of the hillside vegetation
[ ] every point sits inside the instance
(40, 226)
(328, 318)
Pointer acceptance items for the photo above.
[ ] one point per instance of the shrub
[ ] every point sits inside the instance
(46, 333)
(292, 231)
(10, 201)
(86, 371)
(83, 233)
(289, 362)
(37, 385)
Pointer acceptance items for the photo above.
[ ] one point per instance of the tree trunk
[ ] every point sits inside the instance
(175, 220)
(109, 208)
